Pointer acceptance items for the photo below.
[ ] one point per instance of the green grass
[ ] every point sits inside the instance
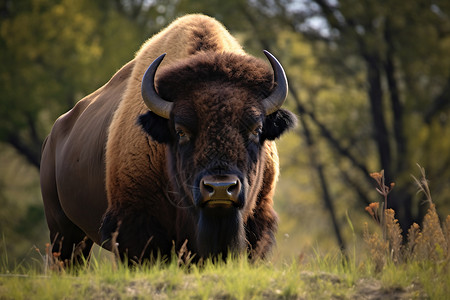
(319, 277)
(379, 268)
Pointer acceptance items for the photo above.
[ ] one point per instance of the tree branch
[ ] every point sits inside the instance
(326, 197)
(439, 103)
(329, 136)
(362, 195)
(29, 152)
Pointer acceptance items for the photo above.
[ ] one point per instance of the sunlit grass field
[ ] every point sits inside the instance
(330, 277)
(378, 266)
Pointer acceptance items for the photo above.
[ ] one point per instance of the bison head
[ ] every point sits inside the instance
(215, 111)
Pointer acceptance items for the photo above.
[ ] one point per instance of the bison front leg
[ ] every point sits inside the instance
(134, 236)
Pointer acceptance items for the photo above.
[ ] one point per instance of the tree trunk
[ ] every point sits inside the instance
(375, 94)
(397, 108)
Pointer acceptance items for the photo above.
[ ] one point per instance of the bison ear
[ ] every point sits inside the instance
(155, 126)
(277, 123)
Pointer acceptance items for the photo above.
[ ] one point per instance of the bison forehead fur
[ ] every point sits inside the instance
(236, 70)
(206, 175)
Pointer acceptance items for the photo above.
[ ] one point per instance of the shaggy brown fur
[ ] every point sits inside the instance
(192, 73)
(123, 162)
(149, 183)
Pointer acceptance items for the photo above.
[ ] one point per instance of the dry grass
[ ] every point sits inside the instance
(431, 243)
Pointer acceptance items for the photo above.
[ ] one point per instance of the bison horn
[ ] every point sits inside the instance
(276, 99)
(151, 98)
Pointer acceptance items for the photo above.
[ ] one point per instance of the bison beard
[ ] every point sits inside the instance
(220, 232)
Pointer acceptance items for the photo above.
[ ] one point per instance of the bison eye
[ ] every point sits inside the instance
(182, 134)
(256, 132)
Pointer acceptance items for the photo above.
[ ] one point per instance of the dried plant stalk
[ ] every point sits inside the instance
(378, 248)
(394, 235)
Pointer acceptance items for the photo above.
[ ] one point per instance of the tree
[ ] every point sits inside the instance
(52, 54)
(400, 48)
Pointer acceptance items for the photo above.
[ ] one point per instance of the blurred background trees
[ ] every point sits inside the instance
(370, 81)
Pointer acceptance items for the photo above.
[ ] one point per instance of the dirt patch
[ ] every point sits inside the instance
(311, 285)
(371, 289)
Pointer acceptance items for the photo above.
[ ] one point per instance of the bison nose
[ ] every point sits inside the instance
(220, 191)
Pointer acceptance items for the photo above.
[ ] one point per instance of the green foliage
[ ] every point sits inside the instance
(46, 49)
(22, 221)
(49, 51)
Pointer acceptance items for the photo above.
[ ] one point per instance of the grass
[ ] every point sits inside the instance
(320, 277)
(385, 268)
(237, 279)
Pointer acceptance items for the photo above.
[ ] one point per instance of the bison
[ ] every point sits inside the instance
(176, 149)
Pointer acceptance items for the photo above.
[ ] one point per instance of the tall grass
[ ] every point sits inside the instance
(386, 268)
(235, 279)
